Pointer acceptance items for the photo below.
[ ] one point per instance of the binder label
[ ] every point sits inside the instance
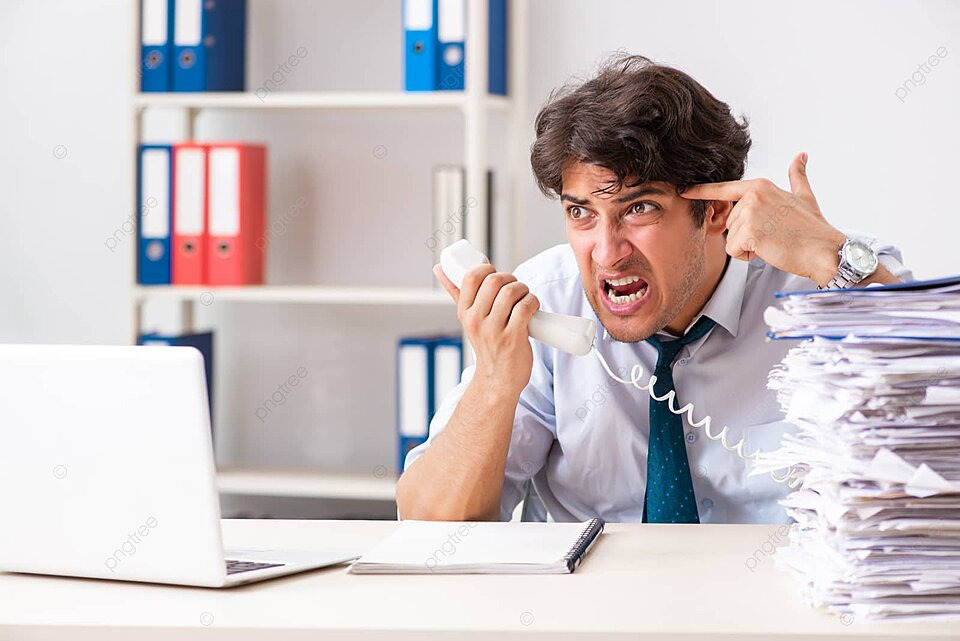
(187, 22)
(451, 22)
(155, 193)
(153, 23)
(446, 374)
(188, 192)
(417, 15)
(414, 413)
(224, 192)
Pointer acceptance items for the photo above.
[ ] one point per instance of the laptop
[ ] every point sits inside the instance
(107, 470)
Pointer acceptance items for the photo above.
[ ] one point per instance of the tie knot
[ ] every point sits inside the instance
(667, 351)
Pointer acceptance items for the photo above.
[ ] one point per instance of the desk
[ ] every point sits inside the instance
(638, 582)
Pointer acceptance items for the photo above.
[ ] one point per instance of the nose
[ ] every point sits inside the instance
(611, 247)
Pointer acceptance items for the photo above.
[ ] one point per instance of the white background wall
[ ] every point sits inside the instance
(818, 76)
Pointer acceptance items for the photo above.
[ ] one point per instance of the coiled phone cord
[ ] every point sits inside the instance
(636, 374)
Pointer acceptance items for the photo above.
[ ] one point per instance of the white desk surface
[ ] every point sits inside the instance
(638, 582)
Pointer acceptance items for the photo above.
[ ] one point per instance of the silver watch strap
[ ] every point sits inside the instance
(844, 277)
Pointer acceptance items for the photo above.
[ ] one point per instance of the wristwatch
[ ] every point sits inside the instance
(857, 261)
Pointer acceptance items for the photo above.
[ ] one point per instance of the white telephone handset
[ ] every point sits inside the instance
(576, 335)
(567, 333)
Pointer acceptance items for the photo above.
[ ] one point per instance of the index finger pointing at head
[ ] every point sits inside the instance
(733, 190)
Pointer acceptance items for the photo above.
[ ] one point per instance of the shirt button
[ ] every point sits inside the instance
(707, 503)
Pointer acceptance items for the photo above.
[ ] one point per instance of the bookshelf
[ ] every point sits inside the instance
(475, 106)
(318, 100)
(328, 484)
(295, 294)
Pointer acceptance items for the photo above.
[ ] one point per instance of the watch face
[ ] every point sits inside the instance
(860, 257)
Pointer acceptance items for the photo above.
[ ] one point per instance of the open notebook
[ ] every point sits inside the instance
(456, 547)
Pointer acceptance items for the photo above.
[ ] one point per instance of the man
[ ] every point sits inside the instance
(663, 241)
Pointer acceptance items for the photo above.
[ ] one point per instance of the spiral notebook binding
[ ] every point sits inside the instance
(579, 549)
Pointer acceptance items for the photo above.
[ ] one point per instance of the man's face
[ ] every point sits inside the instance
(640, 253)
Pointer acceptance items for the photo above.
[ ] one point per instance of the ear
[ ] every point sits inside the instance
(718, 211)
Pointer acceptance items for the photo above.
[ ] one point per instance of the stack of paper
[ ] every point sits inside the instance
(925, 309)
(875, 462)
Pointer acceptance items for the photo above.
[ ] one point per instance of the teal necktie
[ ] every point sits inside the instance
(669, 497)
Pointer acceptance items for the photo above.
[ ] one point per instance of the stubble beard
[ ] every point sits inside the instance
(686, 289)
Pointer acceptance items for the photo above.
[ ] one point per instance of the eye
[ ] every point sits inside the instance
(576, 213)
(643, 207)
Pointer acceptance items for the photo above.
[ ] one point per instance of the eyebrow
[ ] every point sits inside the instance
(622, 198)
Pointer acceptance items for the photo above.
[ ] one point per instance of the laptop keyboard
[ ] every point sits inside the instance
(235, 567)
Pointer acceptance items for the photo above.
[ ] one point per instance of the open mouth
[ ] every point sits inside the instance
(625, 295)
(626, 290)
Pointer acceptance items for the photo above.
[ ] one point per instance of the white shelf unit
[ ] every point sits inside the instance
(301, 484)
(473, 102)
(318, 100)
(295, 294)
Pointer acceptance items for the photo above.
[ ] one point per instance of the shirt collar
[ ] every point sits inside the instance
(727, 300)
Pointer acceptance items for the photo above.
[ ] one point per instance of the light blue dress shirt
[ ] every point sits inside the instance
(582, 437)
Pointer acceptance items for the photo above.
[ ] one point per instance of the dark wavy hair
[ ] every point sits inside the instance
(644, 122)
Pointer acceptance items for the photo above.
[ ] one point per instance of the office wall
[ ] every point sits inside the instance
(65, 173)
(819, 76)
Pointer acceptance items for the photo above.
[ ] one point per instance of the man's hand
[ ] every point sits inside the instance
(460, 477)
(495, 309)
(784, 228)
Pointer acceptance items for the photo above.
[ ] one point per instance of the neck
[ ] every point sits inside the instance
(714, 268)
